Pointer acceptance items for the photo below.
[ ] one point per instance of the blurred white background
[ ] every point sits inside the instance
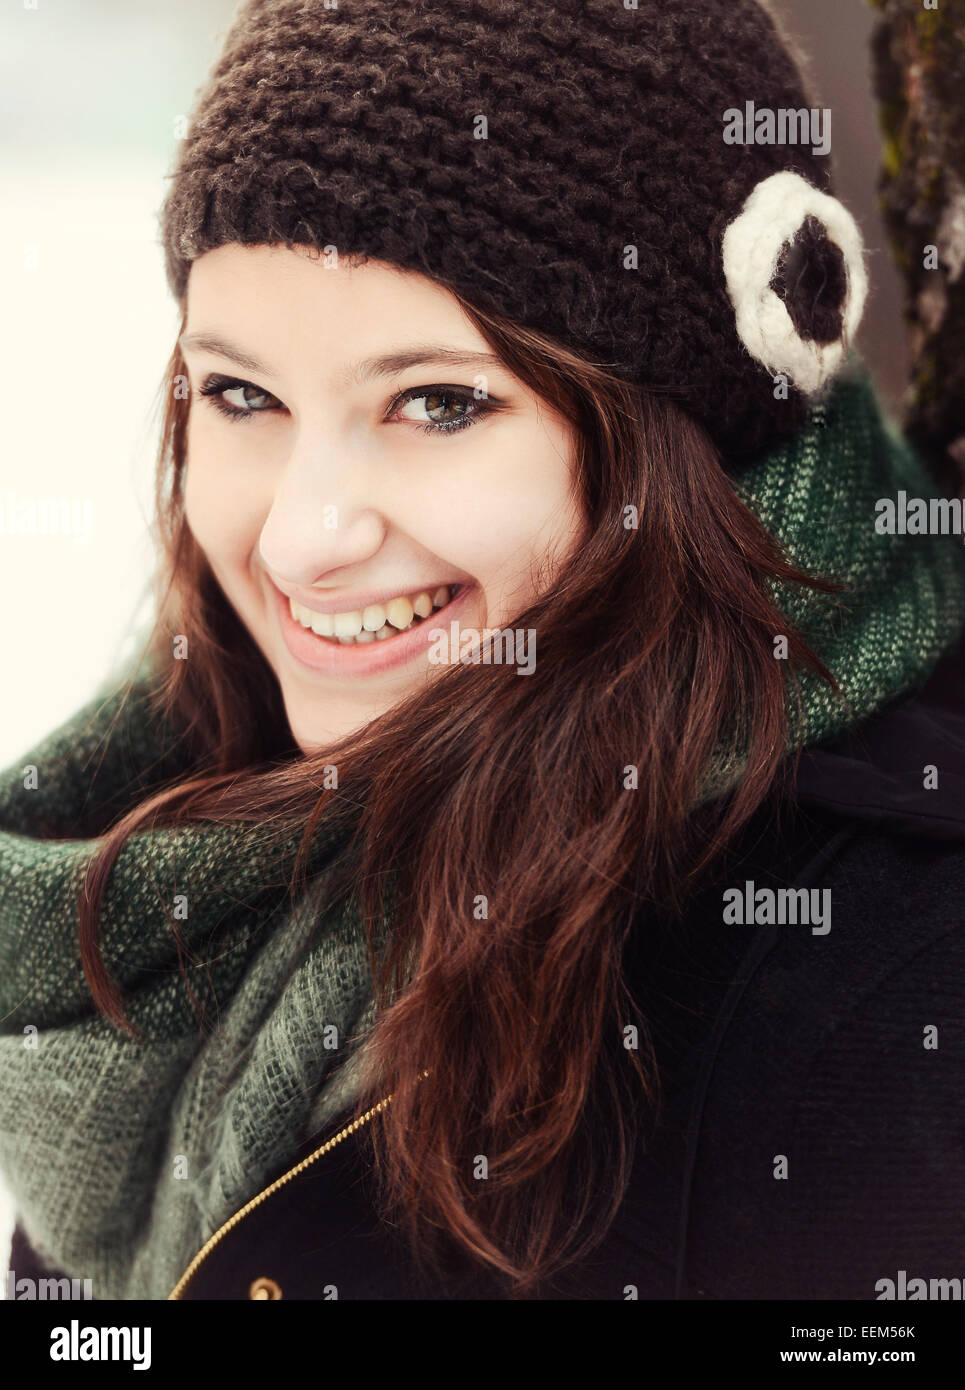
(90, 91)
(90, 95)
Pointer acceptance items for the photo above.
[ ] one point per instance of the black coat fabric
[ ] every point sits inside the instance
(810, 1144)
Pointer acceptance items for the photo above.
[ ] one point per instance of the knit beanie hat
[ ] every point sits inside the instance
(646, 182)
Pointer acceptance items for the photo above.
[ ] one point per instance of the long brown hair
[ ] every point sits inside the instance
(502, 1036)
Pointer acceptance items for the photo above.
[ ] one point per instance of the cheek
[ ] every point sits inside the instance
(224, 510)
(513, 507)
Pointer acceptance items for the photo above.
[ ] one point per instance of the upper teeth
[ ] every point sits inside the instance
(376, 622)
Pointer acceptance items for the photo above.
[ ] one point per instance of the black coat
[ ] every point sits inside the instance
(773, 1041)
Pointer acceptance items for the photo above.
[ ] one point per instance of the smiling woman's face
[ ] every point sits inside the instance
(367, 493)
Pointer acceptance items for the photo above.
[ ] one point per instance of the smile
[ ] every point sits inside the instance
(370, 639)
(376, 623)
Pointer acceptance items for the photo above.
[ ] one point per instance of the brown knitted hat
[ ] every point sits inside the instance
(646, 182)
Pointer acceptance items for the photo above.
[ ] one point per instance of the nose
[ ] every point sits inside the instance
(323, 515)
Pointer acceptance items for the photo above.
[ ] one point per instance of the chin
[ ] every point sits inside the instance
(313, 735)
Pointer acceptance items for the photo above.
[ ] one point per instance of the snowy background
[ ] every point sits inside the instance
(89, 96)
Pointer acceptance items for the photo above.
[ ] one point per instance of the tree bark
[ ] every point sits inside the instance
(918, 59)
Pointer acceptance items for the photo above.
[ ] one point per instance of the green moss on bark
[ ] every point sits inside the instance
(918, 58)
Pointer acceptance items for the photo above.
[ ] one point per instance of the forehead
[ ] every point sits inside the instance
(245, 277)
(276, 305)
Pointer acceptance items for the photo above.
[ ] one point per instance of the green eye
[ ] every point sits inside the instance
(217, 388)
(245, 402)
(444, 409)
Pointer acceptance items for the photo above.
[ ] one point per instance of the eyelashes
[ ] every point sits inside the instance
(215, 386)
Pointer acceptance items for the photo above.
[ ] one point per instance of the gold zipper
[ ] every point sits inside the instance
(262, 1196)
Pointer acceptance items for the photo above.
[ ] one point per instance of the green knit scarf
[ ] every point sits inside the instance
(123, 1157)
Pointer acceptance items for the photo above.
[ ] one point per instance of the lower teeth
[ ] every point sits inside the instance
(386, 630)
(363, 638)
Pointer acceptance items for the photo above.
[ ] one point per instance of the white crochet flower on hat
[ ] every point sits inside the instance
(794, 265)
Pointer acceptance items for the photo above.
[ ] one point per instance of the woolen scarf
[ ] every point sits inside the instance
(124, 1157)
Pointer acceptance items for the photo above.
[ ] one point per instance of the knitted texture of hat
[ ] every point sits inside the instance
(562, 164)
(124, 1157)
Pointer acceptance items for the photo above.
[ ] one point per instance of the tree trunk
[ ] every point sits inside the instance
(919, 72)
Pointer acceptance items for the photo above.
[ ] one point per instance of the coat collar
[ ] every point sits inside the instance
(903, 770)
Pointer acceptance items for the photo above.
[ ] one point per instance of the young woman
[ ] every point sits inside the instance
(444, 906)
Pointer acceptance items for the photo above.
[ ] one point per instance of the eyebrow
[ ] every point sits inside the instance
(366, 369)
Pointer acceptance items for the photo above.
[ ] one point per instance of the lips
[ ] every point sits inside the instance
(376, 622)
(333, 657)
